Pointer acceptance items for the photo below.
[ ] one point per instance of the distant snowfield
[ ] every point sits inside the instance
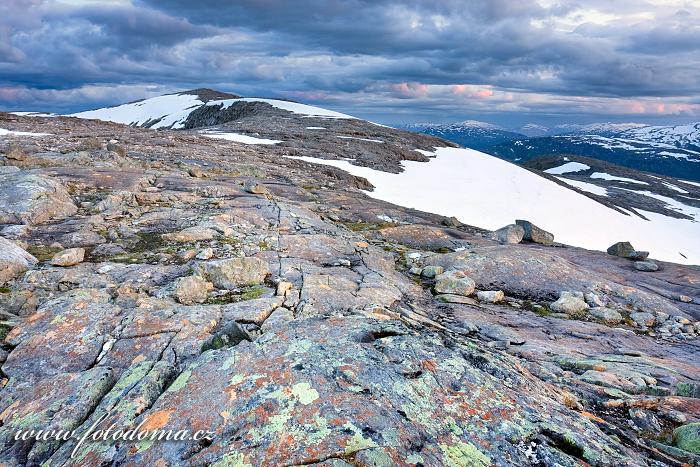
(567, 168)
(607, 176)
(239, 138)
(487, 192)
(4, 132)
(589, 187)
(171, 111)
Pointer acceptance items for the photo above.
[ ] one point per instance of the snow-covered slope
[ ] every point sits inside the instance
(172, 110)
(157, 112)
(487, 192)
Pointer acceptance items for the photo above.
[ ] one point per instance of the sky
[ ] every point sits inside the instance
(507, 62)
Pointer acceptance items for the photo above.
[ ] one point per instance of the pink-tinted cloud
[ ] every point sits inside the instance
(410, 90)
(478, 92)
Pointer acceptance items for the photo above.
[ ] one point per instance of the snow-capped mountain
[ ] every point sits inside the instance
(681, 136)
(533, 129)
(469, 133)
(173, 110)
(665, 150)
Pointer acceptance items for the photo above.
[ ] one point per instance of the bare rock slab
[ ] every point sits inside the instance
(235, 272)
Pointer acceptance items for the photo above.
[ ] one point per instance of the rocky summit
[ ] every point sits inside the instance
(165, 279)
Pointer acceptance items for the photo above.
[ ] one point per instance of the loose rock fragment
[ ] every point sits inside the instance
(234, 272)
(621, 249)
(191, 289)
(570, 303)
(490, 296)
(454, 282)
(69, 257)
(512, 233)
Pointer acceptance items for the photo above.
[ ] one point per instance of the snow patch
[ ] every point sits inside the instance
(169, 111)
(568, 167)
(487, 192)
(607, 176)
(361, 139)
(239, 138)
(4, 132)
(589, 187)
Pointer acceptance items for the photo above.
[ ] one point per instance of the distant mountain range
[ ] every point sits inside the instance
(665, 150)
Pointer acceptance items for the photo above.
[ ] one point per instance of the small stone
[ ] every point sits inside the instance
(509, 234)
(191, 289)
(255, 188)
(643, 318)
(535, 234)
(685, 299)
(621, 249)
(647, 266)
(687, 437)
(639, 255)
(681, 320)
(196, 172)
(234, 272)
(430, 272)
(415, 270)
(490, 296)
(594, 300)
(454, 282)
(606, 315)
(571, 303)
(205, 254)
(69, 257)
(661, 317)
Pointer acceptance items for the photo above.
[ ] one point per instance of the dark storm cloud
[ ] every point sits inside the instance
(520, 54)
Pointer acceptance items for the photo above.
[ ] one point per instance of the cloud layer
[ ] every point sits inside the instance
(388, 60)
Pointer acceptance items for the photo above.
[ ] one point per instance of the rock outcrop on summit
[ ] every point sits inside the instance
(169, 280)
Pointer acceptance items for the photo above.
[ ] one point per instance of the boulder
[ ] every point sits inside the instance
(69, 257)
(646, 266)
(430, 272)
(191, 289)
(13, 260)
(687, 437)
(234, 272)
(512, 233)
(534, 233)
(639, 255)
(606, 315)
(454, 282)
(570, 303)
(643, 318)
(32, 199)
(490, 296)
(622, 249)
